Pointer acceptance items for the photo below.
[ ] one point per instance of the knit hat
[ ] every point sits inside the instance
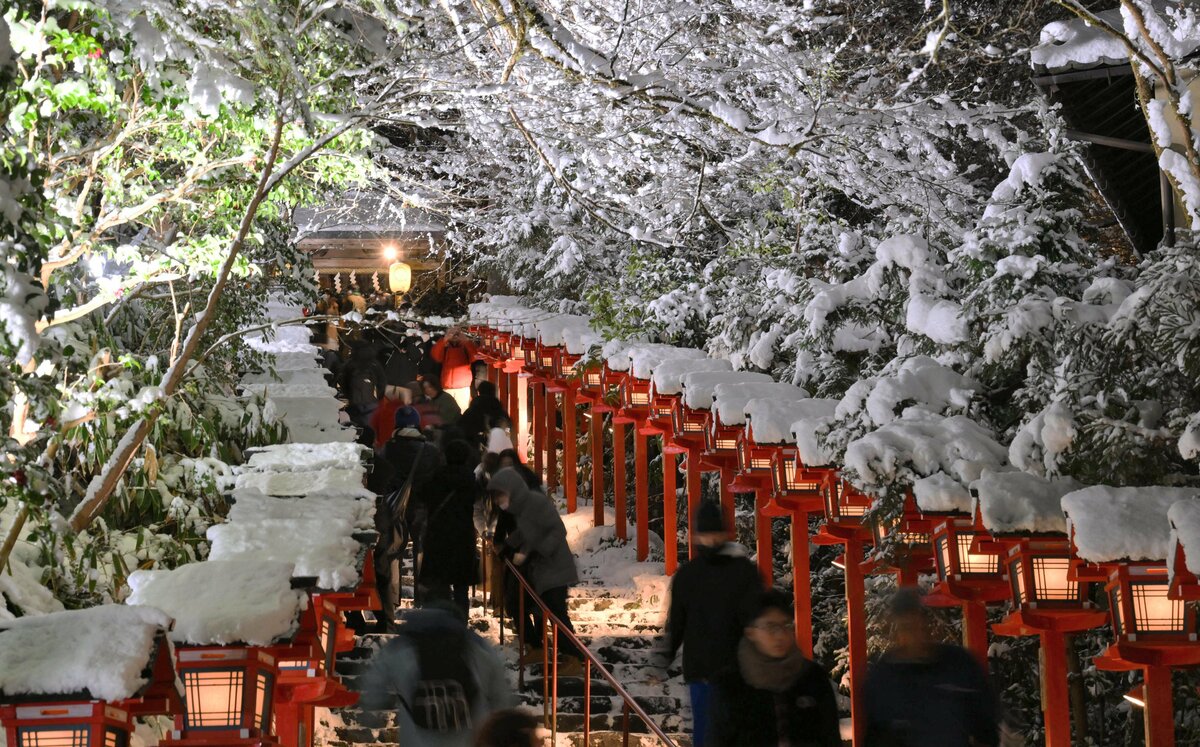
(710, 518)
(407, 417)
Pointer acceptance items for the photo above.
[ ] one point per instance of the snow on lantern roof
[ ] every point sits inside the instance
(668, 374)
(699, 387)
(616, 353)
(322, 548)
(103, 651)
(580, 339)
(1185, 529)
(552, 330)
(924, 444)
(816, 413)
(730, 399)
(645, 358)
(300, 456)
(219, 602)
(772, 418)
(1014, 502)
(1111, 524)
(940, 493)
(346, 480)
(253, 505)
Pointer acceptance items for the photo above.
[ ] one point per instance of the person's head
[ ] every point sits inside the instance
(510, 728)
(407, 417)
(910, 620)
(507, 458)
(431, 388)
(485, 389)
(458, 453)
(771, 627)
(507, 488)
(416, 391)
(709, 529)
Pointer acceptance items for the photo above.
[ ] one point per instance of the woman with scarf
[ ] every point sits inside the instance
(773, 696)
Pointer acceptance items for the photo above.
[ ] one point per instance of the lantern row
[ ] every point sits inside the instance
(1065, 557)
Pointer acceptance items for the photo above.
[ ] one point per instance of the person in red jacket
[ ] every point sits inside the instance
(455, 351)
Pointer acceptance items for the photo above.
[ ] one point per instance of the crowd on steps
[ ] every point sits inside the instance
(447, 474)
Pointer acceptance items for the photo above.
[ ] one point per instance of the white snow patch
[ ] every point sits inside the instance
(1012, 502)
(1110, 524)
(320, 547)
(730, 399)
(668, 375)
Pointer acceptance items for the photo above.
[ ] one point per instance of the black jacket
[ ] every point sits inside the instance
(450, 527)
(363, 378)
(480, 416)
(709, 595)
(944, 701)
(404, 363)
(805, 714)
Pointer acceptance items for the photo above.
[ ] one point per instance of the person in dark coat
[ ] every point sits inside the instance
(710, 595)
(447, 409)
(540, 545)
(772, 694)
(922, 692)
(448, 566)
(363, 383)
(484, 411)
(404, 363)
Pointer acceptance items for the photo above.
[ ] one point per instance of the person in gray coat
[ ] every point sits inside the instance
(540, 545)
(441, 680)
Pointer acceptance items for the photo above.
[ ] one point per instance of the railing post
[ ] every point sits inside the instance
(802, 583)
(587, 700)
(641, 488)
(570, 446)
(763, 546)
(625, 723)
(554, 684)
(670, 520)
(619, 483)
(597, 439)
(545, 669)
(856, 624)
(728, 507)
(520, 637)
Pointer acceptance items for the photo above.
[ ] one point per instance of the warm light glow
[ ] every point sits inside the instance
(1136, 696)
(213, 697)
(399, 277)
(971, 562)
(390, 253)
(67, 737)
(839, 562)
(1153, 611)
(1050, 580)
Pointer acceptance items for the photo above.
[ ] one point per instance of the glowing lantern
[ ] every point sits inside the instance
(400, 277)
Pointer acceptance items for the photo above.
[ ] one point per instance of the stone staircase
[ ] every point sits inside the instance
(619, 627)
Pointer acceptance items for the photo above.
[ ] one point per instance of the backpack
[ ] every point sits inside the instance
(443, 699)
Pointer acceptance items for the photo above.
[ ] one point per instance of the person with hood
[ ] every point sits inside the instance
(448, 567)
(772, 694)
(709, 597)
(455, 351)
(440, 678)
(539, 544)
(923, 692)
(484, 412)
(446, 407)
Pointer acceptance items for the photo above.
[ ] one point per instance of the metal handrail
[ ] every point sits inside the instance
(552, 630)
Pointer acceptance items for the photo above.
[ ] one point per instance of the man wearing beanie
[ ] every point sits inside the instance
(710, 596)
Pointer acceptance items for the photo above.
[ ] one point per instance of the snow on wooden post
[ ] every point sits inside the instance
(79, 678)
(1126, 533)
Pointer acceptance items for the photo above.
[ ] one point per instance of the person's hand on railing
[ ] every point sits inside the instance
(519, 559)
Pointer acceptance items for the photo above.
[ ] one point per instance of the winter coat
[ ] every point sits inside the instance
(945, 700)
(404, 453)
(455, 357)
(363, 378)
(805, 715)
(429, 369)
(540, 533)
(450, 527)
(383, 421)
(483, 412)
(447, 409)
(709, 595)
(395, 673)
(404, 364)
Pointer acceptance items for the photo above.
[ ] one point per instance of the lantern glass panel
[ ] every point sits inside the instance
(726, 444)
(1051, 582)
(213, 698)
(1153, 612)
(53, 736)
(1116, 610)
(942, 556)
(116, 738)
(262, 702)
(973, 562)
(328, 627)
(1016, 578)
